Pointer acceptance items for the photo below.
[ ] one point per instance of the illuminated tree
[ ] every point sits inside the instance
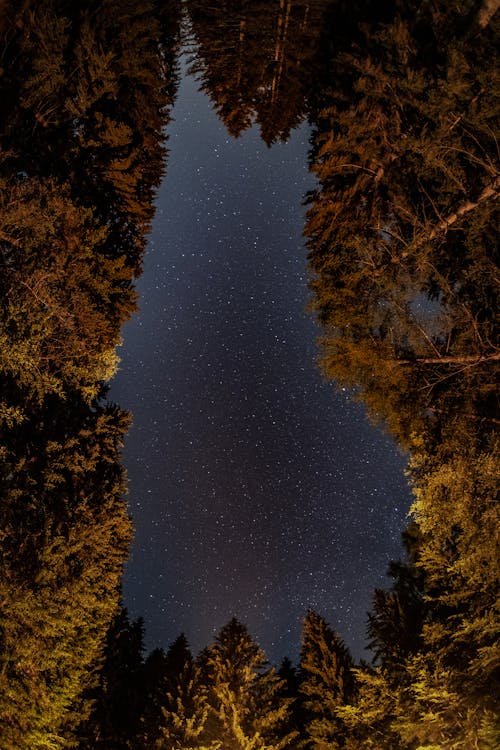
(65, 535)
(327, 682)
(185, 708)
(247, 711)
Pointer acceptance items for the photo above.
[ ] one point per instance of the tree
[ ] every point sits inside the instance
(397, 618)
(185, 705)
(255, 60)
(452, 680)
(117, 699)
(65, 299)
(401, 235)
(87, 88)
(65, 535)
(246, 708)
(91, 86)
(291, 690)
(400, 231)
(327, 682)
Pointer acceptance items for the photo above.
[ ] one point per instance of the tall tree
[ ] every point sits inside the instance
(408, 172)
(397, 618)
(117, 699)
(90, 88)
(65, 299)
(184, 712)
(327, 682)
(454, 678)
(256, 59)
(246, 707)
(405, 278)
(65, 534)
(87, 89)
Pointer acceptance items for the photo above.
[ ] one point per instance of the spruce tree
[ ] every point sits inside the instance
(247, 710)
(65, 535)
(327, 682)
(117, 698)
(255, 60)
(184, 710)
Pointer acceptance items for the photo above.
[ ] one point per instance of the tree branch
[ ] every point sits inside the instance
(490, 191)
(487, 11)
(450, 360)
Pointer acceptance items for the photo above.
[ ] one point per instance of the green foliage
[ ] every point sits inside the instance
(401, 235)
(117, 698)
(402, 238)
(91, 88)
(65, 298)
(367, 720)
(185, 708)
(397, 618)
(399, 230)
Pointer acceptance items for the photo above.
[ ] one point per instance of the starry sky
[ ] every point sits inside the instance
(257, 490)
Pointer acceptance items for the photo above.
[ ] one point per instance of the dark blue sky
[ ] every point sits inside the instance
(257, 490)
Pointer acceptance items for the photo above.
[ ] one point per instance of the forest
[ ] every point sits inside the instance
(401, 240)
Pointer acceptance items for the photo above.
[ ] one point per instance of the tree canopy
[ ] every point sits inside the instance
(401, 234)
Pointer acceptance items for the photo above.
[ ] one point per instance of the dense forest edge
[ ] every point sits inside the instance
(402, 236)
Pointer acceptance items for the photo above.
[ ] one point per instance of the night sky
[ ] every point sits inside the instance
(257, 490)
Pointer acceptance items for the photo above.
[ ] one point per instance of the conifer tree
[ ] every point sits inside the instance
(453, 680)
(368, 719)
(327, 682)
(397, 618)
(255, 59)
(400, 232)
(65, 298)
(247, 711)
(65, 535)
(87, 87)
(118, 697)
(182, 724)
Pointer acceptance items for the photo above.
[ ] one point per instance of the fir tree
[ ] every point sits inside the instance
(247, 710)
(117, 699)
(256, 59)
(184, 712)
(327, 682)
(65, 536)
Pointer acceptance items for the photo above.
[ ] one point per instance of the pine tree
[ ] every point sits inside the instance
(65, 535)
(87, 88)
(400, 231)
(255, 60)
(65, 299)
(452, 681)
(247, 711)
(397, 618)
(327, 682)
(118, 696)
(182, 724)
(368, 719)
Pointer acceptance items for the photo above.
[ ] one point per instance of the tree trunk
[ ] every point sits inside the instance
(279, 50)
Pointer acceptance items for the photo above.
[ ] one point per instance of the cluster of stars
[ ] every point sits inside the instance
(257, 490)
